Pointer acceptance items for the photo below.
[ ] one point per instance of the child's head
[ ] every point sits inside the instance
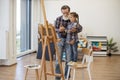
(73, 16)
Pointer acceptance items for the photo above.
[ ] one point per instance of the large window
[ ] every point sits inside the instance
(23, 18)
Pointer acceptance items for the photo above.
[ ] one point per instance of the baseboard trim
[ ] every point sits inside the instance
(26, 52)
(115, 54)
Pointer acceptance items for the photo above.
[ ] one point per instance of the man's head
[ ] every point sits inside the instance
(65, 9)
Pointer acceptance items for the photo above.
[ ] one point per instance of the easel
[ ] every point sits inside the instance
(48, 35)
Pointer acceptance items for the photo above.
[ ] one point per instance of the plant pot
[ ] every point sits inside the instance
(109, 54)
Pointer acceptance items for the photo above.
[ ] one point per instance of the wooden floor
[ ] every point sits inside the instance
(103, 68)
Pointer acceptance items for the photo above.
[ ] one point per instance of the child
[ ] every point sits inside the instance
(71, 40)
(72, 37)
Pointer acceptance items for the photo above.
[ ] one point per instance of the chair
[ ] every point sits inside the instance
(32, 67)
(85, 64)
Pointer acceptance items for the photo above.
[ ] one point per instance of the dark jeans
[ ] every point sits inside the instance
(61, 49)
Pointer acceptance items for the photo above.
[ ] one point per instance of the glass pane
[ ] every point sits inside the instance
(18, 18)
(23, 25)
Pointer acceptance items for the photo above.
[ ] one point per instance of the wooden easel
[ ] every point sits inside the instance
(48, 35)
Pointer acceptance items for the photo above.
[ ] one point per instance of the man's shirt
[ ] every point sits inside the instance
(61, 22)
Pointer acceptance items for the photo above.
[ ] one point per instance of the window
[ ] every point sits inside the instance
(23, 24)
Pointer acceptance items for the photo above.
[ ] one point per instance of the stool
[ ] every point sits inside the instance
(35, 67)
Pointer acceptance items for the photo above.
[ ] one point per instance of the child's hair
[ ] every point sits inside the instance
(74, 14)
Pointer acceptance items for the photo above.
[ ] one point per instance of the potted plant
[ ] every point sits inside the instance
(111, 47)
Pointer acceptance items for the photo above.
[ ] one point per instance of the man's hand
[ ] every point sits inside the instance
(72, 42)
(61, 29)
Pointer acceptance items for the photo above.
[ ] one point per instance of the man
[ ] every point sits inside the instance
(61, 24)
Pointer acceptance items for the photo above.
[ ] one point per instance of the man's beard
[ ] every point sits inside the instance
(65, 18)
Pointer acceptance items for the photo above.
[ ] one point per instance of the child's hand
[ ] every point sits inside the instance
(72, 42)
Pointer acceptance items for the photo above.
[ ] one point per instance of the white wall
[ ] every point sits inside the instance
(98, 17)
(7, 30)
(35, 22)
(4, 27)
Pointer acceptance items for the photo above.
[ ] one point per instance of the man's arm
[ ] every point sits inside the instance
(57, 23)
(58, 26)
(79, 28)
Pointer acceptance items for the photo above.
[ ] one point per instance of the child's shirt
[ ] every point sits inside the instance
(71, 35)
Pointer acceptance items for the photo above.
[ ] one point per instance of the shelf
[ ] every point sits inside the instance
(99, 45)
(101, 51)
(97, 38)
(104, 48)
(103, 40)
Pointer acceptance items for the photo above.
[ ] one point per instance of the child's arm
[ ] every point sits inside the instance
(74, 28)
(77, 28)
